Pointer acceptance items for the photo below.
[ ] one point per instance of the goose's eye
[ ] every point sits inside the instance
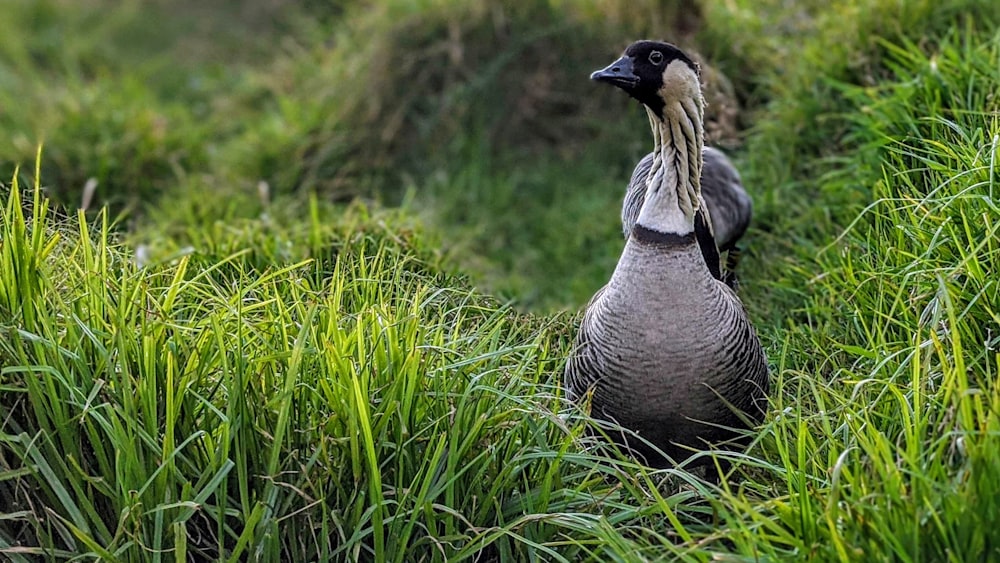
(656, 57)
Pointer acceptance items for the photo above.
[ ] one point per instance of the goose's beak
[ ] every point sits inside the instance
(618, 73)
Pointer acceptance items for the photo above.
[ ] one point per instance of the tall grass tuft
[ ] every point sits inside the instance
(886, 421)
(348, 402)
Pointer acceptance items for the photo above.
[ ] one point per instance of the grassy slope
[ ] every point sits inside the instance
(297, 349)
(885, 330)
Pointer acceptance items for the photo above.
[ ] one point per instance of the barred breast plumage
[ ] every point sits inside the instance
(675, 366)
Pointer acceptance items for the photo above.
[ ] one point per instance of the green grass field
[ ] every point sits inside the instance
(319, 303)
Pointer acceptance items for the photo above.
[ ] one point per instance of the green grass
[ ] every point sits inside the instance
(351, 401)
(259, 373)
(144, 99)
(902, 418)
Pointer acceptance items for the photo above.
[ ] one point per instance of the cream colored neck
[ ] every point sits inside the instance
(673, 188)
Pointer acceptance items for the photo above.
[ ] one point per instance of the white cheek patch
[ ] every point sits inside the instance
(680, 82)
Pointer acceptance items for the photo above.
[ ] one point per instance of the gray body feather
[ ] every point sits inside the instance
(669, 352)
(729, 206)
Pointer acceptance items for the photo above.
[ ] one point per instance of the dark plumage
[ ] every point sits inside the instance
(665, 348)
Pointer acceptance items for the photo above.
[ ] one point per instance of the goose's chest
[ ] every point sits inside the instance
(685, 335)
(665, 310)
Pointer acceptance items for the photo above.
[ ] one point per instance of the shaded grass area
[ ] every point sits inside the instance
(276, 377)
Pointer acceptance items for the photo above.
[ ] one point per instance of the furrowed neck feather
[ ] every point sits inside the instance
(673, 187)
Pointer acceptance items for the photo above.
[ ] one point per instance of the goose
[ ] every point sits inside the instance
(665, 349)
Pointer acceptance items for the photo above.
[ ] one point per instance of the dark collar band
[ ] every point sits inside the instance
(649, 236)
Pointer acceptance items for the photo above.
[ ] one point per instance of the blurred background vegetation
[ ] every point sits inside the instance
(476, 116)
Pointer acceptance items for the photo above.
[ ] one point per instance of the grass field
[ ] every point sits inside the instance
(318, 306)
